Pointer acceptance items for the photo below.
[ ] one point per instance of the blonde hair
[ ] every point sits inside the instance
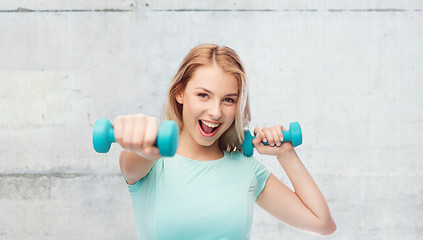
(228, 61)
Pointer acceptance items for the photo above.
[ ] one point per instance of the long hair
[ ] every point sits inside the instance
(229, 62)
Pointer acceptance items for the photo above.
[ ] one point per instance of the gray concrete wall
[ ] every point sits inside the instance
(349, 71)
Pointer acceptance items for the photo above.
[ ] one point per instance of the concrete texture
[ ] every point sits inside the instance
(349, 71)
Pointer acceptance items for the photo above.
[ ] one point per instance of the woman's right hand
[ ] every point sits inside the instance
(137, 133)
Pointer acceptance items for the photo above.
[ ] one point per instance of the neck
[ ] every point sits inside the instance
(189, 148)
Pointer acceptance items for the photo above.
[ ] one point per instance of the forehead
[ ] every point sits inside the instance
(214, 79)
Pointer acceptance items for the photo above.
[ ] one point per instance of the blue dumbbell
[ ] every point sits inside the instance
(167, 137)
(293, 135)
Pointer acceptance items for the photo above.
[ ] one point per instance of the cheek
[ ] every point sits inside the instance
(191, 108)
(230, 113)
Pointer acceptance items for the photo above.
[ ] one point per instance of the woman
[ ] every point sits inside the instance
(207, 190)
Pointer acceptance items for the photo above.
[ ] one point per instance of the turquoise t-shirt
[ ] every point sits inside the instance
(182, 198)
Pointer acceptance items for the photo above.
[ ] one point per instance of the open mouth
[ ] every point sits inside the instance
(208, 129)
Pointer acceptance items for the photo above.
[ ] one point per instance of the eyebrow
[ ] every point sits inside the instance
(227, 95)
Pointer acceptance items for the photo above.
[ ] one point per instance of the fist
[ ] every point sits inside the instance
(274, 137)
(137, 133)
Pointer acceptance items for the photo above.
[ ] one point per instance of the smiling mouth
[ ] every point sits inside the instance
(208, 129)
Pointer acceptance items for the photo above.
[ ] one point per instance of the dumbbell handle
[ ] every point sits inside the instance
(286, 138)
(167, 137)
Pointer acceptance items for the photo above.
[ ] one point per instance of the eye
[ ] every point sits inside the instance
(229, 100)
(202, 95)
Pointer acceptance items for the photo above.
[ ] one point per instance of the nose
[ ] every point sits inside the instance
(215, 110)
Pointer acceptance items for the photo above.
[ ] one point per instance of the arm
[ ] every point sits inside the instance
(306, 208)
(136, 134)
(134, 167)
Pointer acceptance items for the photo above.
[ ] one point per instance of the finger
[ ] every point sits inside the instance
(151, 130)
(127, 133)
(263, 138)
(138, 134)
(257, 136)
(118, 129)
(277, 132)
(256, 131)
(260, 147)
(269, 136)
(259, 132)
(280, 133)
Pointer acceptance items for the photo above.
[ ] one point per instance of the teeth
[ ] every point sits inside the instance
(213, 125)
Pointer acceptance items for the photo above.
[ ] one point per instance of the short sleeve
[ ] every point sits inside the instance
(134, 188)
(261, 174)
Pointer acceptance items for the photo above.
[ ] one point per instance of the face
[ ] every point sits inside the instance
(209, 105)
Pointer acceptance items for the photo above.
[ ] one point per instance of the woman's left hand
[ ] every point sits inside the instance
(274, 137)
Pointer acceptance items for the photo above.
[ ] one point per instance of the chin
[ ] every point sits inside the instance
(206, 143)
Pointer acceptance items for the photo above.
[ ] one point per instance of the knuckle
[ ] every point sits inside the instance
(119, 119)
(126, 142)
(137, 144)
(152, 120)
(257, 131)
(140, 117)
(131, 118)
(148, 142)
(122, 119)
(118, 138)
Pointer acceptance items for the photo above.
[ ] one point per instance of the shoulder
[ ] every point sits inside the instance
(234, 155)
(240, 158)
(237, 157)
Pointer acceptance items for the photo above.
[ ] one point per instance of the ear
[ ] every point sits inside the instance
(180, 97)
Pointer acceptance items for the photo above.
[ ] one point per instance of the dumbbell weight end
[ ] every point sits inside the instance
(103, 135)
